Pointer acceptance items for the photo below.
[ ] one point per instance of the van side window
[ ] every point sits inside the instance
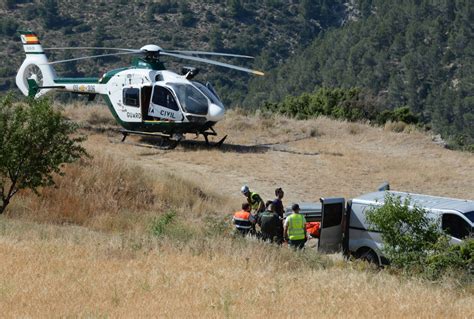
(455, 226)
(131, 96)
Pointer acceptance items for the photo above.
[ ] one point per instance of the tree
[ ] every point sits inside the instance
(410, 236)
(35, 143)
(50, 14)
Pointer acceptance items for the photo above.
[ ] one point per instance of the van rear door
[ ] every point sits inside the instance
(332, 211)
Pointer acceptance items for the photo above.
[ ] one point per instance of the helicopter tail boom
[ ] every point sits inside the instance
(34, 67)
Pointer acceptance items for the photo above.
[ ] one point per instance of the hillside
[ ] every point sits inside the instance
(93, 246)
(418, 54)
(269, 30)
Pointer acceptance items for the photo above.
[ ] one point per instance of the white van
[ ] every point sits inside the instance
(344, 227)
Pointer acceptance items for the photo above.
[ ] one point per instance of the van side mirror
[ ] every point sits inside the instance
(385, 186)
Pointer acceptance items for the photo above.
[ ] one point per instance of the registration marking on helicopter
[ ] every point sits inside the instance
(83, 88)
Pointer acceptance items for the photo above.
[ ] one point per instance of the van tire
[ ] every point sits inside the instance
(370, 256)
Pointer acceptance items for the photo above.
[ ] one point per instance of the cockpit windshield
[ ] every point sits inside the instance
(214, 99)
(191, 99)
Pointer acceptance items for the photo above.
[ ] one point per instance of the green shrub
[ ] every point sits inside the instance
(349, 104)
(408, 233)
(414, 242)
(160, 223)
(168, 225)
(457, 260)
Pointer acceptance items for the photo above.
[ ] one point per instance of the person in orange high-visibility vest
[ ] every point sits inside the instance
(243, 220)
(294, 228)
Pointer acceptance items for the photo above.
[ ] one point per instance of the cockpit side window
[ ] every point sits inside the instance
(163, 97)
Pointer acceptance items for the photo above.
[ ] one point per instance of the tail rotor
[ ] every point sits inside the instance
(35, 66)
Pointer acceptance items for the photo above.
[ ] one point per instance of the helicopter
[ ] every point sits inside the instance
(145, 98)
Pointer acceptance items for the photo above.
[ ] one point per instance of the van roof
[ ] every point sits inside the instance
(306, 206)
(423, 201)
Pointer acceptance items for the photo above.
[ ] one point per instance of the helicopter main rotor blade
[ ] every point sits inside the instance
(90, 48)
(93, 57)
(211, 53)
(225, 65)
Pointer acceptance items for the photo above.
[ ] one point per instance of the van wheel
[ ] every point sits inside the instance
(371, 257)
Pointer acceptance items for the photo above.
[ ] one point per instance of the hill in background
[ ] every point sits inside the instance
(417, 54)
(269, 30)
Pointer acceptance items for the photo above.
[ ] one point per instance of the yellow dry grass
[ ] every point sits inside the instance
(68, 271)
(109, 265)
(315, 158)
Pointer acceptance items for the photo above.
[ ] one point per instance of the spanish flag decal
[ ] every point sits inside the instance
(29, 39)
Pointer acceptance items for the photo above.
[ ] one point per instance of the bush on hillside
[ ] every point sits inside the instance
(414, 242)
(348, 104)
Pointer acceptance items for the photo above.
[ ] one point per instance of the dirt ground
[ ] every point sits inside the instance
(308, 159)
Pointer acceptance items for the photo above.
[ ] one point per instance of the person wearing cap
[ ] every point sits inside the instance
(255, 201)
(294, 228)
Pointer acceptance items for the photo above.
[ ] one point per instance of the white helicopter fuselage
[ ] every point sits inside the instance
(143, 98)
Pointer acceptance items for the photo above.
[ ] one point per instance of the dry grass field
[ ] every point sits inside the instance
(85, 248)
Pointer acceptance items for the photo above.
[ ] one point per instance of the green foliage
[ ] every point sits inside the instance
(412, 55)
(168, 225)
(414, 242)
(268, 30)
(349, 104)
(408, 233)
(49, 11)
(35, 143)
(9, 4)
(457, 259)
(8, 26)
(160, 223)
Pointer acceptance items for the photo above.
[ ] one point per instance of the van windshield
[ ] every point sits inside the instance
(470, 216)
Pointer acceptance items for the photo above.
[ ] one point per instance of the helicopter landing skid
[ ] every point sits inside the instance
(213, 133)
(166, 142)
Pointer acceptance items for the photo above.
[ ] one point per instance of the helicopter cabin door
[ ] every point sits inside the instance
(163, 105)
(145, 101)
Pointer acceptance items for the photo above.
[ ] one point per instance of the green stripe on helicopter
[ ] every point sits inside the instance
(76, 80)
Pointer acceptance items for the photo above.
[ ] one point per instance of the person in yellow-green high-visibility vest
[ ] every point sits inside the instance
(255, 201)
(294, 228)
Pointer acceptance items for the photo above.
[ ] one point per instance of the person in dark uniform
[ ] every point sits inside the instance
(277, 203)
(278, 207)
(271, 226)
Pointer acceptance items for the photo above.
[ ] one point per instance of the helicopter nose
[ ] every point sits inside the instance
(216, 112)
